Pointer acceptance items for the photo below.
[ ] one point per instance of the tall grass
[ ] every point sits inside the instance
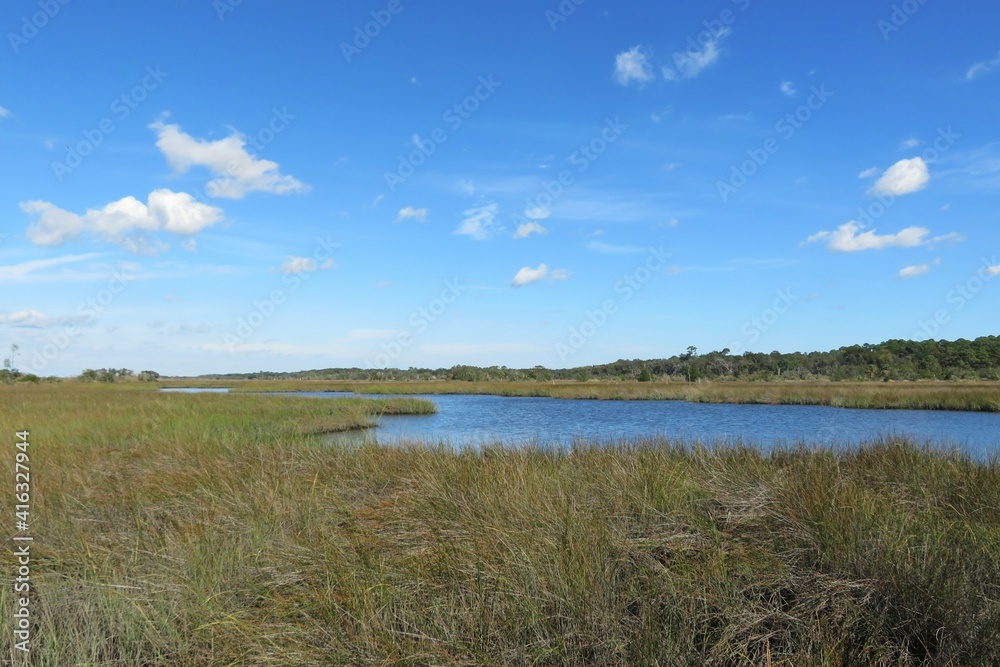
(969, 396)
(217, 530)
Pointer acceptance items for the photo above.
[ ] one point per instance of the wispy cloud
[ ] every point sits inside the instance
(32, 319)
(25, 270)
(295, 265)
(917, 270)
(480, 222)
(868, 173)
(689, 64)
(633, 66)
(613, 249)
(981, 68)
(418, 214)
(787, 88)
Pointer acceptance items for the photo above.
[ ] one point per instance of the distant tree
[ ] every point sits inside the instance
(645, 375)
(148, 376)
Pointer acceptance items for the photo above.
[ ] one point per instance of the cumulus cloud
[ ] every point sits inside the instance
(993, 270)
(982, 68)
(689, 64)
(902, 178)
(236, 170)
(528, 275)
(124, 222)
(633, 66)
(418, 214)
(480, 223)
(849, 238)
(788, 88)
(305, 265)
(529, 228)
(917, 269)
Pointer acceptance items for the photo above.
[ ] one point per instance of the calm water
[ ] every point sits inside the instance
(474, 420)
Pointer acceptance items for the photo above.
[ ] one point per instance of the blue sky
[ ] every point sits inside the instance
(227, 186)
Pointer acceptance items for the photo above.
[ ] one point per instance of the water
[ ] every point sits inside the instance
(194, 390)
(466, 419)
(474, 420)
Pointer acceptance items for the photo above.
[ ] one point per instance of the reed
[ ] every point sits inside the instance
(221, 530)
(967, 396)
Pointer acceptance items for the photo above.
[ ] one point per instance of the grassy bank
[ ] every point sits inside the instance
(215, 530)
(967, 396)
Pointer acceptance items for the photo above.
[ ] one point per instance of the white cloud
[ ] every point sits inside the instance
(689, 64)
(868, 173)
(305, 265)
(24, 270)
(418, 214)
(907, 144)
(538, 212)
(633, 66)
(4, 112)
(788, 88)
(917, 269)
(529, 228)
(849, 238)
(904, 177)
(559, 274)
(993, 270)
(480, 222)
(982, 68)
(236, 170)
(528, 275)
(123, 222)
(32, 319)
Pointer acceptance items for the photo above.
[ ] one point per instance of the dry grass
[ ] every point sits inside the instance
(215, 530)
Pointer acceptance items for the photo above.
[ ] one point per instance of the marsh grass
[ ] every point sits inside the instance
(968, 396)
(218, 530)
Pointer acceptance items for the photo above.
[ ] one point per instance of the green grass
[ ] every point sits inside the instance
(968, 396)
(220, 530)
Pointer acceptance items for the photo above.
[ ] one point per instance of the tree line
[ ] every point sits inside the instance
(961, 359)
